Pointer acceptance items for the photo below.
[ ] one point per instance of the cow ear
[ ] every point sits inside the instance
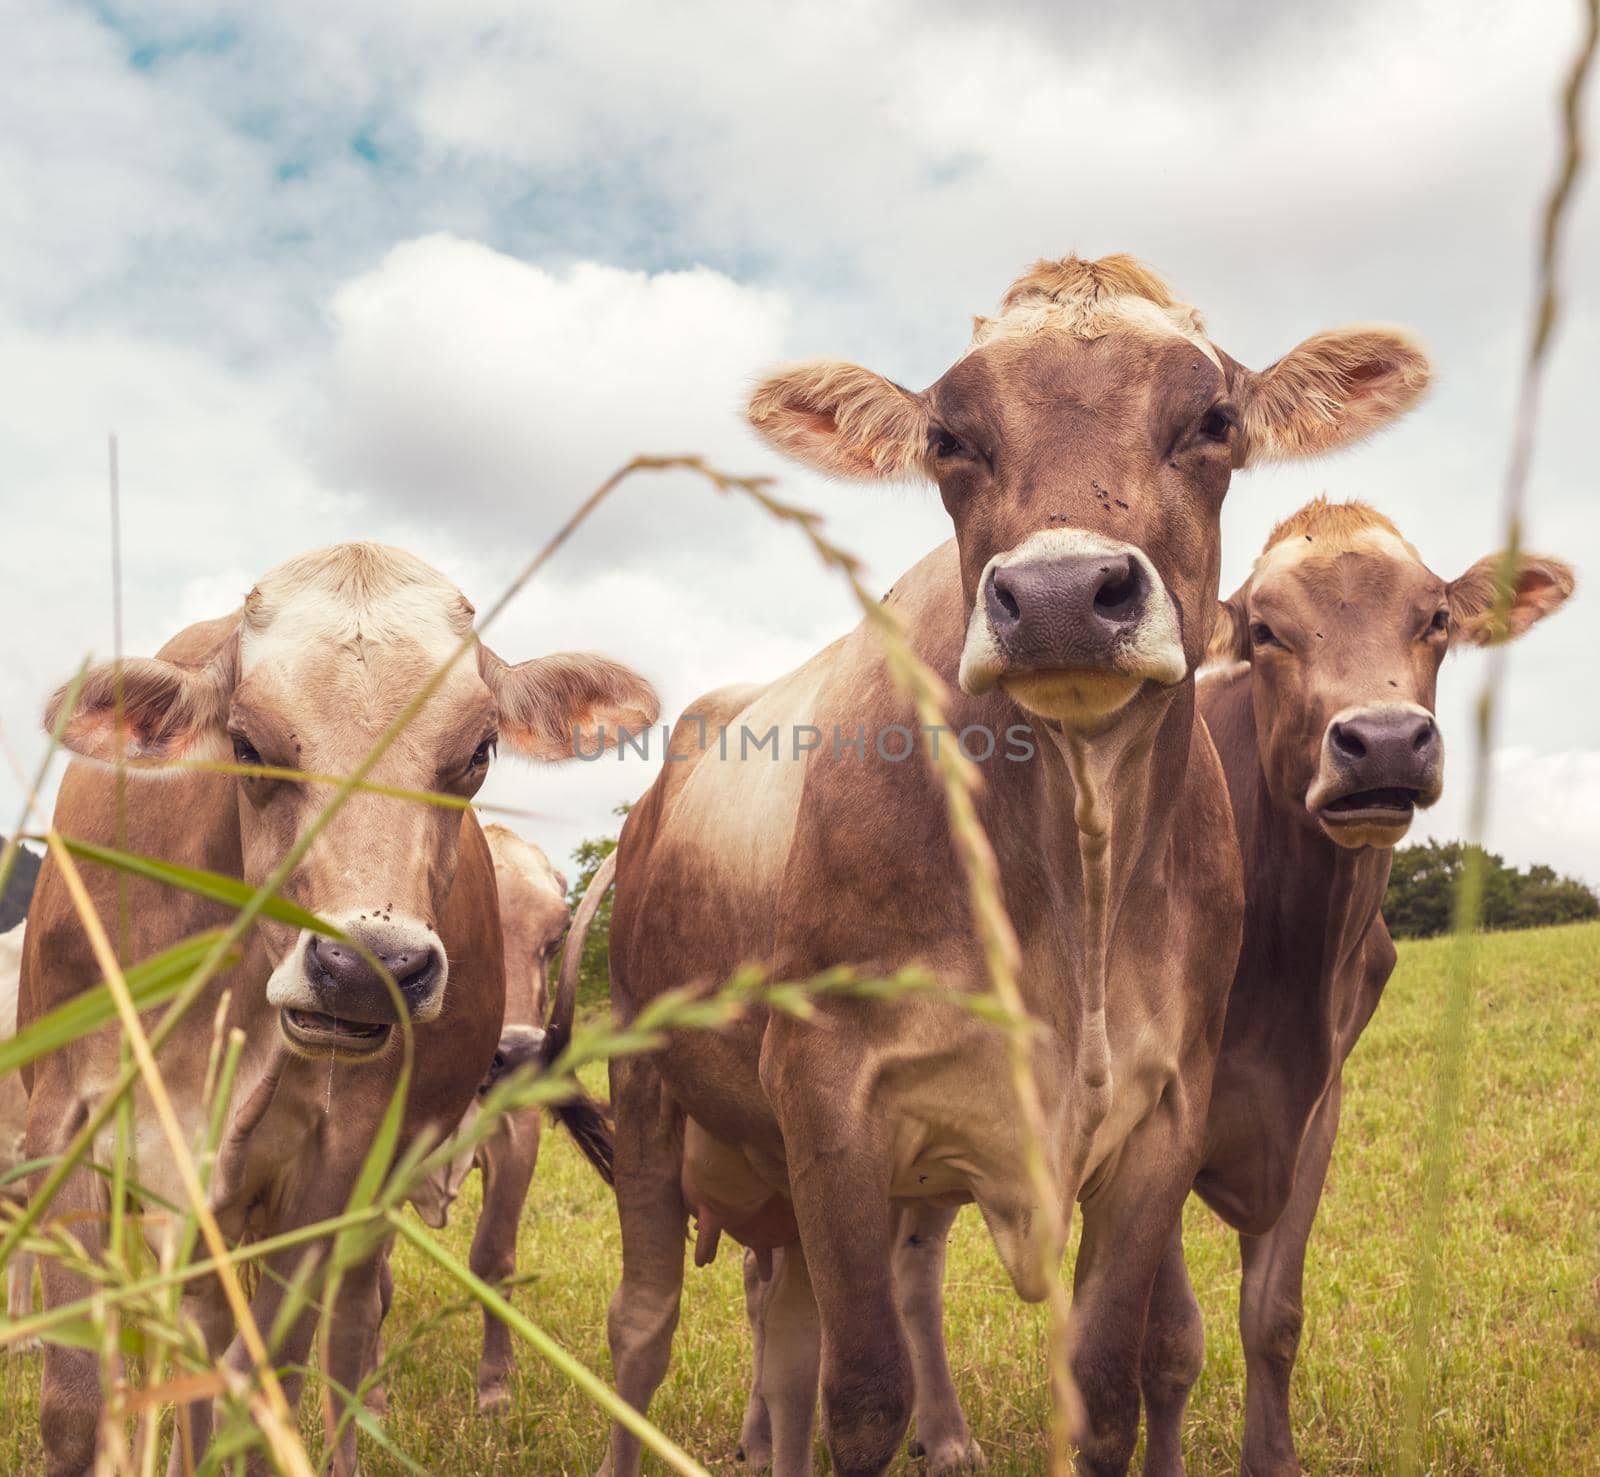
(1331, 391)
(1540, 588)
(143, 709)
(842, 420)
(1230, 636)
(555, 707)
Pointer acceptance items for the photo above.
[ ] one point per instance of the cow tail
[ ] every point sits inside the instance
(584, 1117)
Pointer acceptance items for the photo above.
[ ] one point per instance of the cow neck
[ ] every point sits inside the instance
(1304, 891)
(1117, 817)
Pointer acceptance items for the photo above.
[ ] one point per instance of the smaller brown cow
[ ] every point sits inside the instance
(533, 921)
(1325, 728)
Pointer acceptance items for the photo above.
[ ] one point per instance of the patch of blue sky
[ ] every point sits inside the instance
(149, 48)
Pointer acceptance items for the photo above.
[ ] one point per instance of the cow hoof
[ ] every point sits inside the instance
(492, 1399)
(753, 1456)
(952, 1454)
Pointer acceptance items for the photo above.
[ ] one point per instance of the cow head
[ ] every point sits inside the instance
(1082, 446)
(434, 1194)
(533, 914)
(1345, 628)
(327, 651)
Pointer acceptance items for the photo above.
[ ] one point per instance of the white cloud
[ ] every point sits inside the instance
(464, 379)
(1543, 808)
(425, 272)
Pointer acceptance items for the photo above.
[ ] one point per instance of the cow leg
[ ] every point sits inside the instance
(1270, 1307)
(204, 1306)
(71, 1396)
(644, 1309)
(1127, 1227)
(354, 1328)
(1174, 1351)
(755, 1433)
(789, 1362)
(377, 1396)
(921, 1236)
(19, 1294)
(839, 1182)
(507, 1162)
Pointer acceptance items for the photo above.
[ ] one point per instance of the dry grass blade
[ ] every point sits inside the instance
(1469, 899)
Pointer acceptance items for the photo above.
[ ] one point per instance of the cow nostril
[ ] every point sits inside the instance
(407, 964)
(1119, 590)
(1002, 594)
(1348, 742)
(1113, 597)
(1424, 737)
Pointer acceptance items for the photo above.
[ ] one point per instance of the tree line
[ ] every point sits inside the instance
(1420, 902)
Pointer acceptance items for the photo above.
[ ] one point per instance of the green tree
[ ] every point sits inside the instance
(594, 979)
(1422, 891)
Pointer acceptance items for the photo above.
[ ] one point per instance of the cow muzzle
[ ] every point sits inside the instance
(1072, 625)
(333, 996)
(1378, 765)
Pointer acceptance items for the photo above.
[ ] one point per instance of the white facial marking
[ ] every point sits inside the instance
(1042, 314)
(1298, 548)
(351, 595)
(289, 987)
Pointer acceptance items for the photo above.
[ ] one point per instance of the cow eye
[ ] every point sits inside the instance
(1440, 622)
(485, 751)
(945, 444)
(244, 752)
(1261, 634)
(1217, 423)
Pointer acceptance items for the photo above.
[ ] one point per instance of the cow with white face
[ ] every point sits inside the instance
(1082, 445)
(326, 652)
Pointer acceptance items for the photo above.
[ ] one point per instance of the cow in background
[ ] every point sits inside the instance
(533, 921)
(1324, 718)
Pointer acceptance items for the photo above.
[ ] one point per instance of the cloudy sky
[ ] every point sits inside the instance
(425, 271)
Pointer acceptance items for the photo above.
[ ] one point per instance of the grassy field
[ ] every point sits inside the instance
(1517, 1384)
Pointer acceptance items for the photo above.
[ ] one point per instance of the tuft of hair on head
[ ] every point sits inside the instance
(363, 574)
(1073, 279)
(1335, 522)
(1086, 297)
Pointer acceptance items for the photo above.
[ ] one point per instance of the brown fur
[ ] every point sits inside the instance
(1316, 954)
(1110, 436)
(1328, 521)
(328, 651)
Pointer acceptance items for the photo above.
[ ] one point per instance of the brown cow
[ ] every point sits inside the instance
(1082, 446)
(326, 651)
(1324, 722)
(533, 921)
(1326, 732)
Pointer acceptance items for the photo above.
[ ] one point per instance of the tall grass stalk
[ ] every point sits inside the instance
(1462, 983)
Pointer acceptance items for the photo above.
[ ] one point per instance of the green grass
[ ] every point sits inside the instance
(1516, 1386)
